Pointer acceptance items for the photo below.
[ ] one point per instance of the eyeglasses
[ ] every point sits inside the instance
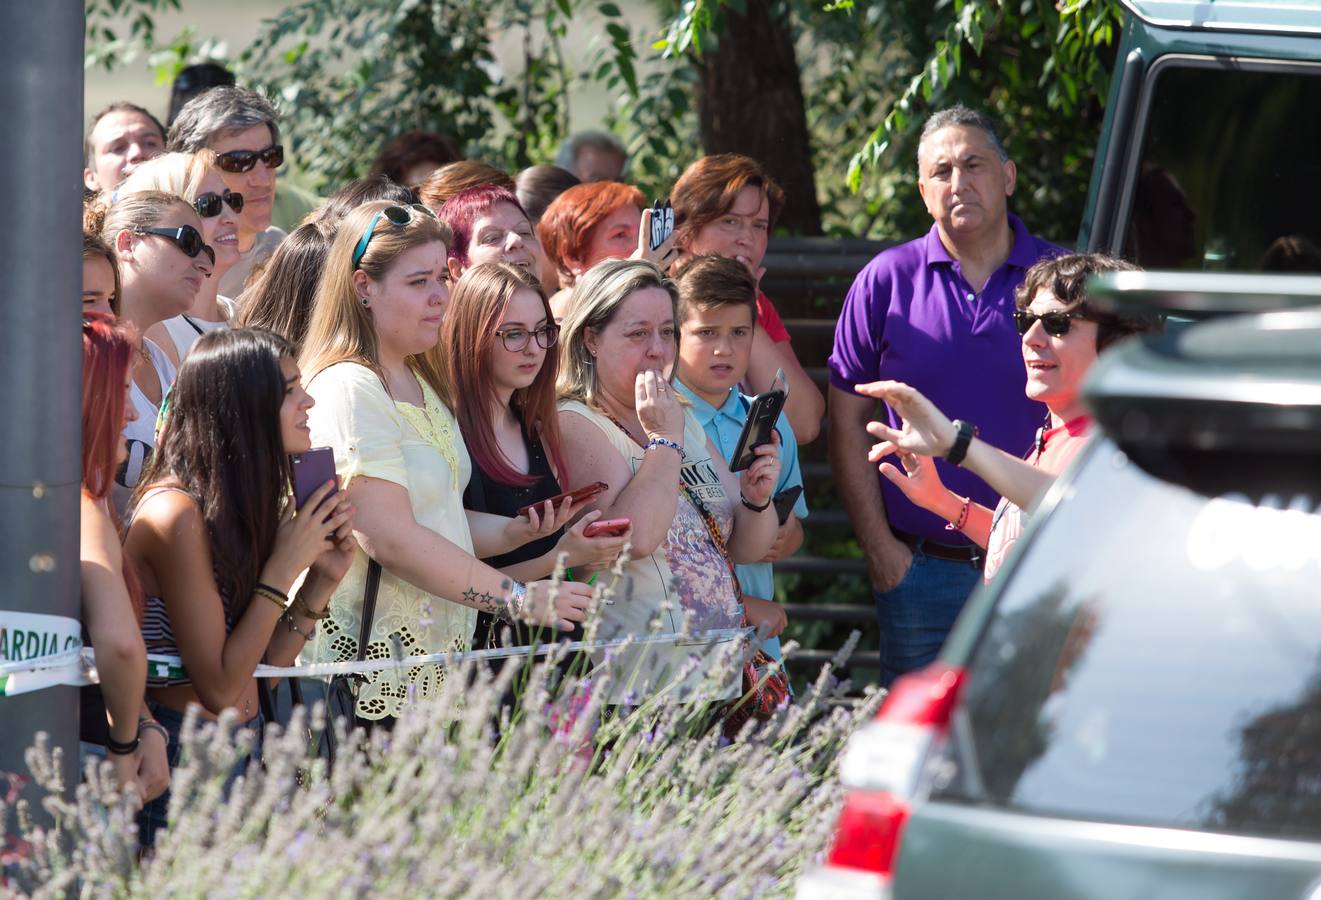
(516, 339)
(1056, 324)
(398, 216)
(244, 160)
(186, 238)
(208, 205)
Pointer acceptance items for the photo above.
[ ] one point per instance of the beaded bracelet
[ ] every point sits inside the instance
(275, 595)
(665, 442)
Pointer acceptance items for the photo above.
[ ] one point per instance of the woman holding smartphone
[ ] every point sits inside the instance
(373, 363)
(502, 360)
(623, 424)
(196, 178)
(157, 239)
(217, 542)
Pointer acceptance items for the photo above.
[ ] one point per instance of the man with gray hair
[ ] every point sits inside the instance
(935, 313)
(593, 156)
(242, 128)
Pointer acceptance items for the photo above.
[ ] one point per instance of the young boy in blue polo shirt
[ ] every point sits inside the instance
(717, 312)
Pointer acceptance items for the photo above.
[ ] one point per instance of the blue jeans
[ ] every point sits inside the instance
(916, 615)
(153, 816)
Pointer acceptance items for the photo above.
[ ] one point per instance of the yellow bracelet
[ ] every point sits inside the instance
(271, 594)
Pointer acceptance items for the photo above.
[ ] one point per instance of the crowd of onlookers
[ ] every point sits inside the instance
(471, 345)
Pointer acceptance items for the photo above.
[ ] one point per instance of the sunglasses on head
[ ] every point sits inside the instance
(186, 238)
(398, 216)
(244, 160)
(1055, 324)
(209, 204)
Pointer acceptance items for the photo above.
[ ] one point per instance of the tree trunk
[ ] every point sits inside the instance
(750, 101)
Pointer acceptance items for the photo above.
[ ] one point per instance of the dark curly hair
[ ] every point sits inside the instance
(1066, 277)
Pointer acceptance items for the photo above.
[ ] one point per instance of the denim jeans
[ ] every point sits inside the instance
(153, 815)
(916, 615)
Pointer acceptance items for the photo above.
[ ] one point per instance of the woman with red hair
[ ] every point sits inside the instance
(726, 204)
(490, 225)
(502, 364)
(112, 714)
(591, 222)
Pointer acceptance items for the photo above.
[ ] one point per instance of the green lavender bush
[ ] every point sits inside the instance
(468, 797)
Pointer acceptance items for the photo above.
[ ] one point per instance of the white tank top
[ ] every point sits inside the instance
(141, 434)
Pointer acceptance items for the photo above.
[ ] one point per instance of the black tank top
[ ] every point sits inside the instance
(485, 494)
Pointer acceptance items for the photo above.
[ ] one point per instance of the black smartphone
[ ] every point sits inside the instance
(762, 416)
(662, 223)
(311, 470)
(785, 500)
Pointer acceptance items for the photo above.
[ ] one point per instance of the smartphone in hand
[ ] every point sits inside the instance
(662, 224)
(311, 469)
(579, 497)
(757, 429)
(606, 528)
(785, 500)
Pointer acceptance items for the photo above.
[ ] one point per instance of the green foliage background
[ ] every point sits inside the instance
(351, 73)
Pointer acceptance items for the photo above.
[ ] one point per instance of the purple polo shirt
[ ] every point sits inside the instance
(910, 316)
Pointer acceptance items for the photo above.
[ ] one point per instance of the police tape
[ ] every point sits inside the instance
(76, 666)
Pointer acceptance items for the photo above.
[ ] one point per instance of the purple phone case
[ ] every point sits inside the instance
(311, 470)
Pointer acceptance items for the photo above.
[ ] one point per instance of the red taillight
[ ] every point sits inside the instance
(883, 765)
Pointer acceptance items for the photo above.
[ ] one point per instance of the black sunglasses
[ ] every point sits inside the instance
(208, 205)
(244, 160)
(399, 216)
(1056, 324)
(186, 238)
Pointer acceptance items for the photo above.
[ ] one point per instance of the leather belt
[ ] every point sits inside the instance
(964, 553)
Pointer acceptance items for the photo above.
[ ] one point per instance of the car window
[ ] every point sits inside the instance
(1155, 658)
(1229, 183)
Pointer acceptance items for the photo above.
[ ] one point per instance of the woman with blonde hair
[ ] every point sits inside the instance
(196, 178)
(372, 363)
(157, 239)
(623, 424)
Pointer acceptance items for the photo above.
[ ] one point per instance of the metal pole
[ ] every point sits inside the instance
(41, 107)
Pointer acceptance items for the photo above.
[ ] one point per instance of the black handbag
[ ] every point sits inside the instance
(339, 693)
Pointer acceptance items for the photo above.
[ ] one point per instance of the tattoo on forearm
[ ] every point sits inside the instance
(483, 601)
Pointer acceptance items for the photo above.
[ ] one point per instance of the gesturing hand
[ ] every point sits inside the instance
(926, 430)
(919, 479)
(659, 412)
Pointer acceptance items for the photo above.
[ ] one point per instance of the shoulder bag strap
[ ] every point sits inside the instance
(368, 606)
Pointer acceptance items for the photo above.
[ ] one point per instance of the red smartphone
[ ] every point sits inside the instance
(580, 496)
(607, 528)
(311, 470)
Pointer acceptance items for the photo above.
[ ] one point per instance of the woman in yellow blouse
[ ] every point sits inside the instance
(375, 320)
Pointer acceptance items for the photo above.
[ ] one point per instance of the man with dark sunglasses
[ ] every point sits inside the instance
(242, 128)
(1062, 336)
(935, 313)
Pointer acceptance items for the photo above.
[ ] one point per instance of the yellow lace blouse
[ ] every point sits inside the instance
(419, 448)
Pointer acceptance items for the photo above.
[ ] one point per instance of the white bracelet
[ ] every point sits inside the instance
(665, 442)
(517, 599)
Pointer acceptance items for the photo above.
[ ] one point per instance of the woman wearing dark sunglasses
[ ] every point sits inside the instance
(196, 178)
(163, 261)
(1062, 336)
(502, 361)
(372, 361)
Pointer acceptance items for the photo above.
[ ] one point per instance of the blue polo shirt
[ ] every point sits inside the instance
(912, 317)
(723, 426)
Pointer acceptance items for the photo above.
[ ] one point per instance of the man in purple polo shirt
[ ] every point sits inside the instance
(936, 313)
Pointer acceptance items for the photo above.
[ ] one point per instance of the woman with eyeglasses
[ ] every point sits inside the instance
(501, 361)
(1062, 336)
(490, 225)
(163, 261)
(196, 178)
(217, 541)
(372, 361)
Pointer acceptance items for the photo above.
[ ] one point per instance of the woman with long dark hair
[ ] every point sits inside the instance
(215, 537)
(502, 363)
(280, 298)
(111, 597)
